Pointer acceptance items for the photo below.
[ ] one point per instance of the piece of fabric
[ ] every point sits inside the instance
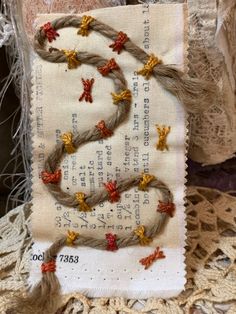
(210, 260)
(132, 149)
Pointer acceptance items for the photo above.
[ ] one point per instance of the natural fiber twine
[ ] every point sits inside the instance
(210, 259)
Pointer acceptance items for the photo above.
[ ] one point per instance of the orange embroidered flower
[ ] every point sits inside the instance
(48, 177)
(49, 32)
(149, 260)
(167, 208)
(111, 65)
(111, 188)
(48, 267)
(118, 45)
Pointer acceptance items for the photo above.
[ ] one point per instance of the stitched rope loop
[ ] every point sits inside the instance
(84, 27)
(139, 232)
(145, 180)
(147, 70)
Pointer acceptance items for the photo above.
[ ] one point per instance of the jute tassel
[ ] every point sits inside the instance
(45, 296)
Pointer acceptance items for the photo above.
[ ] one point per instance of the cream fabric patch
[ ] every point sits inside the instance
(132, 150)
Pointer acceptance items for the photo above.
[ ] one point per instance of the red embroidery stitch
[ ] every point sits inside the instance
(111, 65)
(49, 267)
(87, 90)
(113, 192)
(51, 177)
(105, 132)
(119, 42)
(149, 260)
(111, 242)
(50, 32)
(166, 208)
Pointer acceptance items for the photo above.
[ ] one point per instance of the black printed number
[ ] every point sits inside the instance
(68, 259)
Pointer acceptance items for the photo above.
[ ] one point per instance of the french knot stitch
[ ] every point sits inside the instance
(114, 195)
(83, 206)
(140, 232)
(67, 140)
(144, 181)
(48, 177)
(118, 45)
(72, 60)
(124, 95)
(149, 260)
(84, 27)
(49, 32)
(163, 132)
(111, 242)
(48, 267)
(108, 67)
(72, 236)
(105, 132)
(147, 70)
(167, 208)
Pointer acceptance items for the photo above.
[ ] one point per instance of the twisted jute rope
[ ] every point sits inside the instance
(192, 93)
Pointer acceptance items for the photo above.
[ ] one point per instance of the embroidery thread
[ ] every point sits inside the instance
(105, 132)
(118, 45)
(48, 267)
(83, 206)
(167, 208)
(149, 260)
(50, 32)
(72, 236)
(145, 180)
(87, 93)
(48, 177)
(140, 232)
(124, 95)
(84, 27)
(148, 68)
(114, 195)
(163, 132)
(108, 67)
(111, 242)
(67, 140)
(72, 60)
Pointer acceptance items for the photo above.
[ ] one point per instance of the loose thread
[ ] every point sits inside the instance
(147, 70)
(67, 140)
(167, 208)
(49, 32)
(163, 132)
(107, 68)
(87, 84)
(72, 236)
(48, 267)
(145, 180)
(72, 60)
(111, 242)
(105, 132)
(84, 27)
(48, 177)
(140, 232)
(83, 206)
(124, 95)
(149, 260)
(118, 45)
(114, 195)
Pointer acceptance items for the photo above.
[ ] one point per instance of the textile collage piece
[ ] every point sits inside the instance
(56, 109)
